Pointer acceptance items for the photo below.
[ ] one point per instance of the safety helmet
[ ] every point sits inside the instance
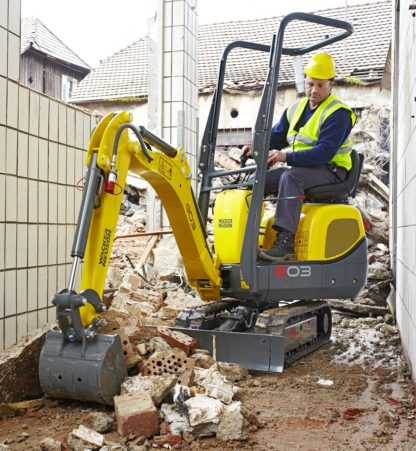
(320, 66)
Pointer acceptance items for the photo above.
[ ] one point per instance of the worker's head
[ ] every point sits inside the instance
(320, 73)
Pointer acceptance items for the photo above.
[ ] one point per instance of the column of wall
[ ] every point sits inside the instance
(42, 144)
(180, 89)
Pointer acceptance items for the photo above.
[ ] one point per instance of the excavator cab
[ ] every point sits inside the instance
(79, 362)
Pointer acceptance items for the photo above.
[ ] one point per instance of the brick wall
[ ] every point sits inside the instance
(42, 144)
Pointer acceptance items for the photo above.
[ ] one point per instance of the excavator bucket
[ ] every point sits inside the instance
(91, 372)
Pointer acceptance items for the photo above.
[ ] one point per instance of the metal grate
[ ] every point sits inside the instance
(340, 236)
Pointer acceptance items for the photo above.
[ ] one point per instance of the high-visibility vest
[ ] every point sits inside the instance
(307, 136)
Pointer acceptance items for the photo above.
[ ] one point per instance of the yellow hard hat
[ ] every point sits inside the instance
(320, 66)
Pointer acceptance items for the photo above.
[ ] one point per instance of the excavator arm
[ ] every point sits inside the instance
(78, 362)
(168, 172)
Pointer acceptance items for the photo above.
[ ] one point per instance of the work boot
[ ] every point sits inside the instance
(282, 249)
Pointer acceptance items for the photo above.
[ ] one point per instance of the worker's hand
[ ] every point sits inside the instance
(246, 151)
(275, 156)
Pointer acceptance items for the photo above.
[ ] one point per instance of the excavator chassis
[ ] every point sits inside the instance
(280, 336)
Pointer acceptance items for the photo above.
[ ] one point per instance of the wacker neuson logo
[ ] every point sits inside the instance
(225, 223)
(105, 247)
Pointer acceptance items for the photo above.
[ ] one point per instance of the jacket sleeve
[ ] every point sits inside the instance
(278, 139)
(333, 133)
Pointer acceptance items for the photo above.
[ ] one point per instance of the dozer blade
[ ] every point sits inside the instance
(95, 374)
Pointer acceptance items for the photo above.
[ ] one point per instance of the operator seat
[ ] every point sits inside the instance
(338, 192)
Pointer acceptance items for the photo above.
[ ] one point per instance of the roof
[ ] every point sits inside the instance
(124, 75)
(35, 35)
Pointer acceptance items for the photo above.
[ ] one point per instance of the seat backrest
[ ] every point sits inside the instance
(342, 190)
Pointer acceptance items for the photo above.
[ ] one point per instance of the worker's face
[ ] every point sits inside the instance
(317, 90)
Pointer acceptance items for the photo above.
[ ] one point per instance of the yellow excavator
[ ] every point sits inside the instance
(263, 315)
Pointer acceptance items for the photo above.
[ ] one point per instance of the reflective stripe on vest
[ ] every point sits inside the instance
(307, 136)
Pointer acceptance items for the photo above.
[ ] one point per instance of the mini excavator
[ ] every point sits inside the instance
(260, 314)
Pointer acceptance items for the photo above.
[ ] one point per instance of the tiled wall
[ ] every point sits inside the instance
(180, 90)
(42, 146)
(404, 183)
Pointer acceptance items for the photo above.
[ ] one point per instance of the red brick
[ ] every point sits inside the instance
(169, 439)
(136, 414)
(177, 339)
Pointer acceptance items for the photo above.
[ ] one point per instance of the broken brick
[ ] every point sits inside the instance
(177, 339)
(168, 439)
(136, 414)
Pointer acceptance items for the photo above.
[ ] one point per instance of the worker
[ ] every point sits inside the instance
(316, 128)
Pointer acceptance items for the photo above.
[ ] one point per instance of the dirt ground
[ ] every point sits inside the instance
(354, 393)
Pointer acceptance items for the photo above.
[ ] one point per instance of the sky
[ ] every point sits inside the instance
(95, 29)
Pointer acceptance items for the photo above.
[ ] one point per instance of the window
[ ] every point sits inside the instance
(68, 85)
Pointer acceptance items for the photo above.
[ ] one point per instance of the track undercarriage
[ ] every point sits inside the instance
(263, 338)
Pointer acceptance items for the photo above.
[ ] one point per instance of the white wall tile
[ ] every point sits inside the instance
(53, 203)
(33, 168)
(53, 120)
(32, 321)
(12, 104)
(42, 279)
(2, 197)
(42, 317)
(22, 249)
(52, 283)
(3, 51)
(22, 200)
(10, 246)
(3, 95)
(2, 149)
(34, 113)
(178, 13)
(70, 205)
(43, 159)
(9, 293)
(53, 245)
(178, 38)
(4, 13)
(53, 162)
(61, 251)
(11, 151)
(14, 16)
(2, 240)
(167, 13)
(13, 57)
(62, 164)
(23, 109)
(79, 129)
(22, 154)
(9, 332)
(32, 246)
(11, 198)
(70, 127)
(61, 204)
(62, 123)
(33, 201)
(61, 274)
(42, 245)
(21, 292)
(43, 202)
(43, 117)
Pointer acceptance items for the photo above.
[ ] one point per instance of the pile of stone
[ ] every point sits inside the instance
(175, 393)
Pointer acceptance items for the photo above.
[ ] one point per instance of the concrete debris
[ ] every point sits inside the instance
(203, 409)
(167, 259)
(50, 444)
(177, 420)
(100, 422)
(85, 438)
(158, 387)
(203, 360)
(215, 384)
(233, 425)
(232, 371)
